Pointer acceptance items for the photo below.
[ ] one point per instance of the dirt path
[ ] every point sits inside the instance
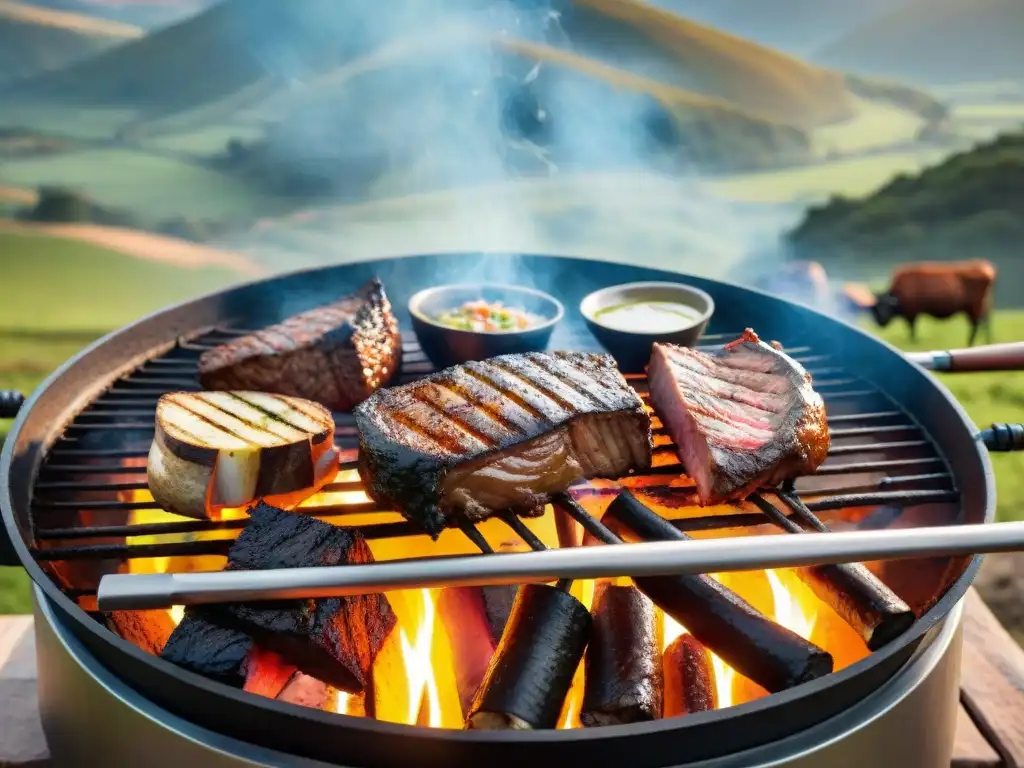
(143, 245)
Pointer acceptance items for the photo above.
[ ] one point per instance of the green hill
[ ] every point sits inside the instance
(970, 205)
(680, 52)
(937, 41)
(796, 26)
(238, 43)
(35, 40)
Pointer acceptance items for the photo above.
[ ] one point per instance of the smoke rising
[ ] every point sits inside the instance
(469, 125)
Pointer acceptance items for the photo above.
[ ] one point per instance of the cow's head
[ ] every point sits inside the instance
(885, 308)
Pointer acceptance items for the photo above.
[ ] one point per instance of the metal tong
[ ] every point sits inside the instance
(145, 591)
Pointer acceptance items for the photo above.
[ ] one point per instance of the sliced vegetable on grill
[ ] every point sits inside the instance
(623, 661)
(503, 434)
(226, 449)
(743, 417)
(531, 672)
(333, 639)
(771, 655)
(689, 678)
(336, 355)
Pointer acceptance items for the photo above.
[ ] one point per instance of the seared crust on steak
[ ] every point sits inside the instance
(742, 418)
(336, 355)
(505, 433)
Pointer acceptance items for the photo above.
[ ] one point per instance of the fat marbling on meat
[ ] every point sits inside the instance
(742, 417)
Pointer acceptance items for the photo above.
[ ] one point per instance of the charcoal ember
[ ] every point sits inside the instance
(333, 639)
(202, 644)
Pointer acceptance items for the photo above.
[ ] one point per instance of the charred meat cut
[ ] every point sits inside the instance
(333, 639)
(336, 355)
(500, 434)
(742, 418)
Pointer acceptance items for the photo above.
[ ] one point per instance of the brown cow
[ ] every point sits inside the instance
(936, 289)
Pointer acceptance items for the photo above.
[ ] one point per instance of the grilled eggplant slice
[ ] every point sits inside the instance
(623, 680)
(336, 355)
(226, 449)
(689, 678)
(529, 677)
(501, 434)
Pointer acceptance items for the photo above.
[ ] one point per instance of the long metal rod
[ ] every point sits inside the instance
(145, 591)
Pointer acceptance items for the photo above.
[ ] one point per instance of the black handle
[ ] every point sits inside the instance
(1004, 437)
(10, 403)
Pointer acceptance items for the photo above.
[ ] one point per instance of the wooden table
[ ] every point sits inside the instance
(990, 732)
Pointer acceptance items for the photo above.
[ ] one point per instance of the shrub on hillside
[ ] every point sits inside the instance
(61, 204)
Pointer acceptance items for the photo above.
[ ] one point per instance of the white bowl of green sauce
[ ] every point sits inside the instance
(627, 319)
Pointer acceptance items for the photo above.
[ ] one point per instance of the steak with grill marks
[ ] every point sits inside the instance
(742, 418)
(336, 355)
(505, 433)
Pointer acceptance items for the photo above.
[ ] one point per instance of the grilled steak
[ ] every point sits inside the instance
(333, 639)
(336, 355)
(742, 418)
(500, 434)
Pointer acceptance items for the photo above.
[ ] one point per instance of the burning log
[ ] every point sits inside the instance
(689, 678)
(755, 646)
(463, 613)
(335, 640)
(529, 677)
(623, 672)
(498, 602)
(860, 598)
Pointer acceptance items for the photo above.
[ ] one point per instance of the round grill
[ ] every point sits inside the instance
(903, 454)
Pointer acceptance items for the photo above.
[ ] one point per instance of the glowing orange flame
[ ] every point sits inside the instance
(414, 679)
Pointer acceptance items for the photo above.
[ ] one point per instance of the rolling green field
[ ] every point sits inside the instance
(150, 185)
(853, 177)
(56, 296)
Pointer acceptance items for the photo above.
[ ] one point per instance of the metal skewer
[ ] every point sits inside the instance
(146, 591)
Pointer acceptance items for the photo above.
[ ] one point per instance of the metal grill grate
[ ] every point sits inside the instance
(879, 457)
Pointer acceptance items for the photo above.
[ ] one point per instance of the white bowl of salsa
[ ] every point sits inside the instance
(459, 323)
(627, 319)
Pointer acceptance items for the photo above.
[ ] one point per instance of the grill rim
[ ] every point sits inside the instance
(146, 338)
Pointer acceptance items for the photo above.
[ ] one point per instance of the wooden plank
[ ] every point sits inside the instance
(992, 681)
(970, 750)
(22, 743)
